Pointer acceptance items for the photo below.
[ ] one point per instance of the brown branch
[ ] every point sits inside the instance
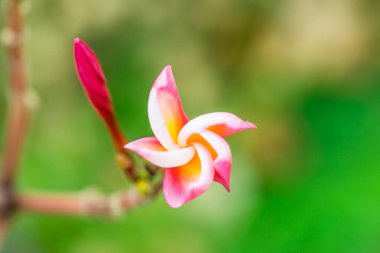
(18, 109)
(17, 114)
(88, 203)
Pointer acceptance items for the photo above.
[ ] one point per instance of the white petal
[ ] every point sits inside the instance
(150, 149)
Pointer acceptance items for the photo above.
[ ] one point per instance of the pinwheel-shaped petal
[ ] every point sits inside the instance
(193, 152)
(151, 149)
(165, 111)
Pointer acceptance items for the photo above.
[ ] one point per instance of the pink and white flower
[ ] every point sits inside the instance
(193, 153)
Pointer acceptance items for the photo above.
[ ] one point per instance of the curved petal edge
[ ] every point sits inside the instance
(166, 115)
(221, 123)
(150, 149)
(223, 160)
(184, 183)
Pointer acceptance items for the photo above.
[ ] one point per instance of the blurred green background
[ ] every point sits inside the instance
(306, 72)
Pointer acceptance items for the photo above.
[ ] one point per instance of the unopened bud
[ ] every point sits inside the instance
(91, 75)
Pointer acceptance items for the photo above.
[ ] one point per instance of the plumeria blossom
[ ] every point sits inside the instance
(193, 152)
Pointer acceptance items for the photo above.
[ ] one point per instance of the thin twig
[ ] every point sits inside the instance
(88, 203)
(127, 164)
(18, 109)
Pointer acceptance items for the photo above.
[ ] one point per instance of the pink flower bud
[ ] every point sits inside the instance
(91, 76)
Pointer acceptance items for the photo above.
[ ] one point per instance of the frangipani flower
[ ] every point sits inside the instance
(193, 152)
